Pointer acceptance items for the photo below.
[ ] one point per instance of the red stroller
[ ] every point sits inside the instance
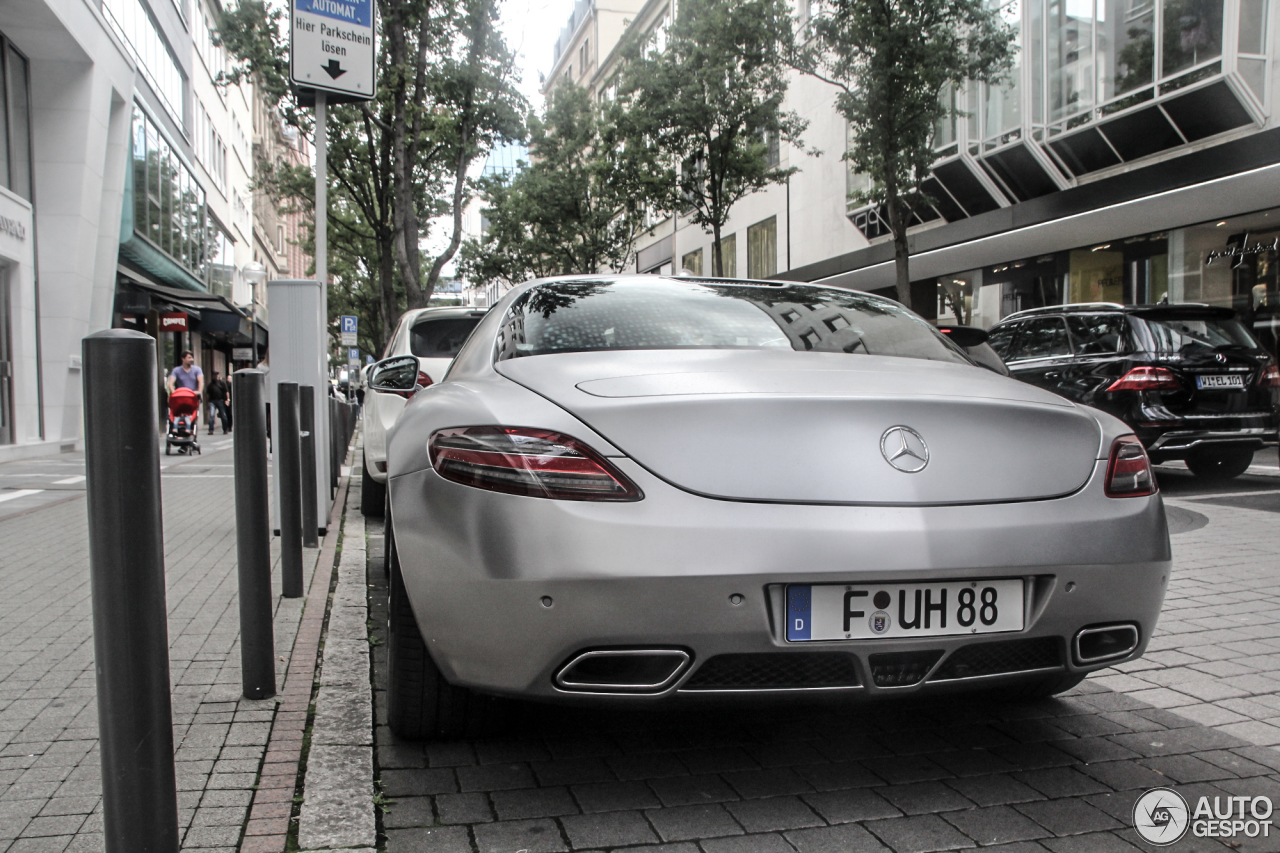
(184, 411)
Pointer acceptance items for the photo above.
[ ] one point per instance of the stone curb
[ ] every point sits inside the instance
(338, 810)
(268, 826)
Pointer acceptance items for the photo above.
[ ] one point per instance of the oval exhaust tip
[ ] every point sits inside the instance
(623, 670)
(1105, 642)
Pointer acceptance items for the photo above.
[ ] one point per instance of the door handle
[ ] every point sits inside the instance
(1052, 374)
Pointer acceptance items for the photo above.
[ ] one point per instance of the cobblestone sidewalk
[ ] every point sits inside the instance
(50, 783)
(1059, 775)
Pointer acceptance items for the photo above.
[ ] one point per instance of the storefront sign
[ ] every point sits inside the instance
(173, 322)
(1239, 252)
(13, 228)
(242, 353)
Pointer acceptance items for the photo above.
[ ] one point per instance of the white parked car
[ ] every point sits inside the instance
(434, 335)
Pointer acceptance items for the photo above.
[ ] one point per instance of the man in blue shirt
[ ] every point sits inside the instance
(187, 375)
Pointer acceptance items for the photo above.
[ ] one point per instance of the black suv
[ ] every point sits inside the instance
(1189, 379)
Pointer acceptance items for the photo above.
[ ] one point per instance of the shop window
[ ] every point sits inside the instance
(692, 261)
(762, 248)
(1097, 275)
(728, 256)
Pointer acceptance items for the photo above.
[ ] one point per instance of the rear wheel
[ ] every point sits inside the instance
(420, 704)
(373, 495)
(1220, 463)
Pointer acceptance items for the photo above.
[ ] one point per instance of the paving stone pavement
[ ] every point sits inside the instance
(50, 779)
(1201, 713)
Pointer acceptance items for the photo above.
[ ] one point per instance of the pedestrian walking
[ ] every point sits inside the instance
(219, 395)
(187, 375)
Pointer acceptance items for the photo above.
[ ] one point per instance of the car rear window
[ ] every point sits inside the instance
(1178, 334)
(585, 316)
(441, 337)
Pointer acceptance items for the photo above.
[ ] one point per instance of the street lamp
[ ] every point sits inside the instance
(255, 274)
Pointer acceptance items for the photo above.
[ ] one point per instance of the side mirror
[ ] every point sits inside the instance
(965, 336)
(400, 375)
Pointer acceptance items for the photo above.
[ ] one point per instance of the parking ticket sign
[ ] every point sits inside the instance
(347, 327)
(332, 46)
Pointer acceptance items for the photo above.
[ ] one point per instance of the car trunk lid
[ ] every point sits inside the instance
(794, 427)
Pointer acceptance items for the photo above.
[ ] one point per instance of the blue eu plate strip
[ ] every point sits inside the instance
(799, 603)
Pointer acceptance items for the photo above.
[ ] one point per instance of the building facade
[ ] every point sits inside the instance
(1133, 156)
(126, 175)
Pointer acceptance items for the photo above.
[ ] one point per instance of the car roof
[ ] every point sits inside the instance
(1178, 309)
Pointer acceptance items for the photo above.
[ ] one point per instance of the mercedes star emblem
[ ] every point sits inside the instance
(904, 449)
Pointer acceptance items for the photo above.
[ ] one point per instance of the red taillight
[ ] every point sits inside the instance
(536, 463)
(423, 379)
(1270, 377)
(1129, 473)
(1147, 379)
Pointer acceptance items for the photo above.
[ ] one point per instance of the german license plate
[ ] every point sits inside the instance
(893, 611)
(1220, 380)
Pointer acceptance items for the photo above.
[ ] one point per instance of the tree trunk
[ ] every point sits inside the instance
(404, 212)
(717, 262)
(459, 199)
(898, 225)
(387, 287)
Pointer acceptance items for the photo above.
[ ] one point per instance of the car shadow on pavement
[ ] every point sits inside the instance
(913, 775)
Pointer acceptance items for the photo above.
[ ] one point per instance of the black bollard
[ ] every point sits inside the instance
(126, 571)
(290, 487)
(334, 471)
(253, 535)
(307, 406)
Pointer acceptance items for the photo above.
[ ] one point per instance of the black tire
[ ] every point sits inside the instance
(373, 495)
(1220, 464)
(421, 705)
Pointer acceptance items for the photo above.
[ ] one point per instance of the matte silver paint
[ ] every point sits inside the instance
(660, 572)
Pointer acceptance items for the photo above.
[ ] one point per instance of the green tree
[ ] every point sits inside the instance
(710, 103)
(578, 207)
(891, 61)
(397, 164)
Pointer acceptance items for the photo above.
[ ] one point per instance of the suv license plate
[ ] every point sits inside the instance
(1220, 380)
(897, 610)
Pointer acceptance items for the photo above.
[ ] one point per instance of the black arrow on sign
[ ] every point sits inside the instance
(333, 69)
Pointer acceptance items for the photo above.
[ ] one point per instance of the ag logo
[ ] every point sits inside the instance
(1161, 816)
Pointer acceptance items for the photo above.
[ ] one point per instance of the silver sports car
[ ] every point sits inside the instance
(637, 488)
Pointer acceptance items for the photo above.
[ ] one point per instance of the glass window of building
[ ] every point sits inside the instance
(132, 21)
(762, 248)
(728, 256)
(169, 203)
(15, 121)
(1251, 45)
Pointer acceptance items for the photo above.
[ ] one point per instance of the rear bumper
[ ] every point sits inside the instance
(508, 589)
(1179, 442)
